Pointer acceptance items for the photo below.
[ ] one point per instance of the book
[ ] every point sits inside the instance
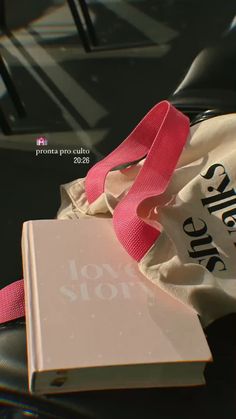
(94, 321)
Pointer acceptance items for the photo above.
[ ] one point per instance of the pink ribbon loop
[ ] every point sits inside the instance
(161, 136)
(12, 301)
(136, 236)
(133, 148)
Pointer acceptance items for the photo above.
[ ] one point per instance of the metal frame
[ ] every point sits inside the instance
(2, 15)
(83, 22)
(8, 81)
(14, 95)
(11, 88)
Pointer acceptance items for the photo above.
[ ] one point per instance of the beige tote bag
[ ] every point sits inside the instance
(185, 228)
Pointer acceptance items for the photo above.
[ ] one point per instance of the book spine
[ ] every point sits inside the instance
(33, 324)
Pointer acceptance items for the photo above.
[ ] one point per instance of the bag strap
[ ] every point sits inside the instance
(135, 147)
(12, 302)
(134, 234)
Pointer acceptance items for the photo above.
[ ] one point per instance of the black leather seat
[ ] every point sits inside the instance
(214, 401)
(210, 83)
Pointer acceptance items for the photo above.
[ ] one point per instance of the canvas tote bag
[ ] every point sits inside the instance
(175, 210)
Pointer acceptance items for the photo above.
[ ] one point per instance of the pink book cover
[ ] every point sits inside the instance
(94, 321)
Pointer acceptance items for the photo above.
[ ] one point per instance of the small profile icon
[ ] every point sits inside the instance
(42, 141)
